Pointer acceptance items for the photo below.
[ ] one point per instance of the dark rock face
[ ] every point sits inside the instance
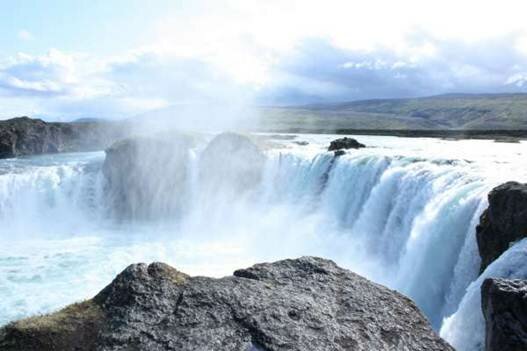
(503, 223)
(25, 136)
(231, 162)
(344, 143)
(504, 304)
(145, 176)
(303, 304)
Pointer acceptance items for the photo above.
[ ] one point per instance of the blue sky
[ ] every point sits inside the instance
(102, 27)
(72, 59)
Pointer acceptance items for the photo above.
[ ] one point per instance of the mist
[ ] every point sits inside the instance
(216, 135)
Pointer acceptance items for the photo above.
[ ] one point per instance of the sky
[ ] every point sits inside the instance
(64, 60)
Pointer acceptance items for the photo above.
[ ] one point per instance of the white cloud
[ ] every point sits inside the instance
(80, 85)
(54, 74)
(248, 38)
(236, 50)
(25, 35)
(517, 79)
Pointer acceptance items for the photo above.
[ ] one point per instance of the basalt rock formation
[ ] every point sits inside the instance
(146, 176)
(503, 223)
(26, 136)
(338, 145)
(303, 304)
(231, 162)
(504, 304)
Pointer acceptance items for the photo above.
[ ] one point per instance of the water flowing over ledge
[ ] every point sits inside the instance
(400, 218)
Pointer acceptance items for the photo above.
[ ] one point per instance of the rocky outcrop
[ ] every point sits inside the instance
(504, 304)
(344, 144)
(231, 162)
(503, 222)
(146, 176)
(303, 304)
(25, 136)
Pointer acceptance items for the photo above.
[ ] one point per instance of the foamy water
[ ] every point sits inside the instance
(401, 212)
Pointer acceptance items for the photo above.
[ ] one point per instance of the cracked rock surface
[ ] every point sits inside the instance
(301, 304)
(504, 305)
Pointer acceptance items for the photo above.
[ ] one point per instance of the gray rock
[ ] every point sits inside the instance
(25, 136)
(231, 162)
(344, 143)
(301, 142)
(503, 223)
(504, 304)
(146, 176)
(303, 304)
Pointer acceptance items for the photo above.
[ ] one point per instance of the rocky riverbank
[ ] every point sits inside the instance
(24, 136)
(303, 304)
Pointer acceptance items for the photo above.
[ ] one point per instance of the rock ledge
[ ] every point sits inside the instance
(302, 304)
(504, 304)
(503, 223)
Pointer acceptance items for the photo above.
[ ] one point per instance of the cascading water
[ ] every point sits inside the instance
(51, 193)
(392, 213)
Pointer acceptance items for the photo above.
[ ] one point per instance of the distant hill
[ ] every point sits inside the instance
(90, 120)
(442, 112)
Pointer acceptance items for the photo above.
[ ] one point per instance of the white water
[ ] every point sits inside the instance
(402, 213)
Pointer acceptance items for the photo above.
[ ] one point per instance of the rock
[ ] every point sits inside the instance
(339, 153)
(25, 136)
(503, 223)
(301, 142)
(231, 162)
(345, 143)
(504, 304)
(146, 176)
(303, 304)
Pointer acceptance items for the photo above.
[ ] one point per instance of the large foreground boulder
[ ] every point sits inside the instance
(504, 304)
(503, 223)
(302, 304)
(26, 136)
(146, 176)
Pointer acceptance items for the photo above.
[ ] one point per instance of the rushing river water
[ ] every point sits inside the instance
(401, 212)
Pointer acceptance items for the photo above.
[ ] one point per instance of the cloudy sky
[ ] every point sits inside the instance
(95, 58)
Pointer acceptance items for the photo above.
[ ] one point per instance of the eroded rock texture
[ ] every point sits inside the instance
(303, 304)
(503, 223)
(504, 304)
(26, 136)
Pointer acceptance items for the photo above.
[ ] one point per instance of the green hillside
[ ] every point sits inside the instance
(443, 112)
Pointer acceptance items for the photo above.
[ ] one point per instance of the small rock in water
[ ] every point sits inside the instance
(345, 143)
(301, 143)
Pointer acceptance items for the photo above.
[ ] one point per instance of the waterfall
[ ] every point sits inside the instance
(465, 329)
(406, 222)
(412, 218)
(51, 194)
